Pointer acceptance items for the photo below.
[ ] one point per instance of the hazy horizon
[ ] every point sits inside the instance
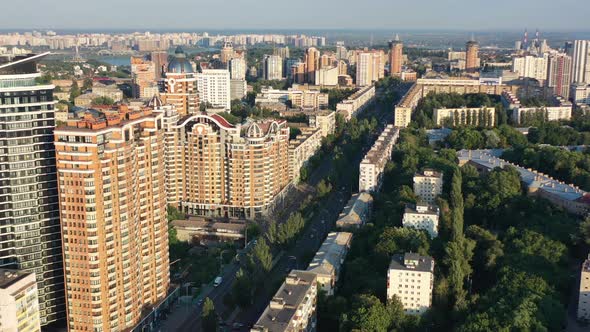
(187, 15)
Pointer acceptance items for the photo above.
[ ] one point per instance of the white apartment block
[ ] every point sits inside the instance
(428, 185)
(214, 88)
(357, 102)
(411, 278)
(422, 216)
(237, 68)
(293, 308)
(580, 93)
(402, 116)
(306, 99)
(373, 165)
(530, 66)
(327, 76)
(323, 119)
(581, 62)
(19, 303)
(328, 260)
(272, 67)
(302, 148)
(584, 297)
(478, 116)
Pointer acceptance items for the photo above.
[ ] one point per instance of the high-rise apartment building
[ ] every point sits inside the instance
(283, 52)
(428, 185)
(179, 86)
(530, 66)
(272, 67)
(312, 63)
(214, 88)
(396, 57)
(472, 57)
(30, 231)
(369, 67)
(160, 60)
(19, 304)
(237, 68)
(411, 279)
(581, 62)
(143, 73)
(228, 171)
(111, 171)
(559, 74)
(227, 52)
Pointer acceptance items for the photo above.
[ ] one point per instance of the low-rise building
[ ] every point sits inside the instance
(559, 109)
(465, 116)
(411, 279)
(357, 102)
(198, 228)
(567, 196)
(19, 302)
(302, 148)
(584, 296)
(85, 100)
(356, 212)
(328, 260)
(107, 91)
(428, 185)
(293, 308)
(422, 216)
(373, 165)
(298, 98)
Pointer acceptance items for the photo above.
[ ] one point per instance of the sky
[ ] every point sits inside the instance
(200, 15)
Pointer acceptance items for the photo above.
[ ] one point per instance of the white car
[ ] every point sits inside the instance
(217, 281)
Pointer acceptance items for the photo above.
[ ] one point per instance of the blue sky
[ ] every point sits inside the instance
(473, 15)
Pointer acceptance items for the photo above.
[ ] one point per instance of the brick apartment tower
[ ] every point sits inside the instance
(396, 57)
(471, 57)
(113, 213)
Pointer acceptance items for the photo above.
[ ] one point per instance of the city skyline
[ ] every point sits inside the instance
(182, 14)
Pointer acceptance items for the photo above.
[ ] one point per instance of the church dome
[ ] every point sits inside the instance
(180, 64)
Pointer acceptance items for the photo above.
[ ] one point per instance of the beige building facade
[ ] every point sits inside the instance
(19, 302)
(113, 216)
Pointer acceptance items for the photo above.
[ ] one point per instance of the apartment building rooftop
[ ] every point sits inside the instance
(531, 178)
(283, 306)
(8, 277)
(92, 120)
(411, 262)
(355, 210)
(429, 173)
(421, 208)
(328, 258)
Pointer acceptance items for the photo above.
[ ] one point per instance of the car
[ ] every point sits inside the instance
(237, 325)
(200, 302)
(217, 281)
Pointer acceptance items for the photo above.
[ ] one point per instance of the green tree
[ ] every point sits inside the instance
(324, 188)
(243, 289)
(208, 316)
(74, 91)
(458, 257)
(261, 257)
(456, 201)
(369, 314)
(103, 101)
